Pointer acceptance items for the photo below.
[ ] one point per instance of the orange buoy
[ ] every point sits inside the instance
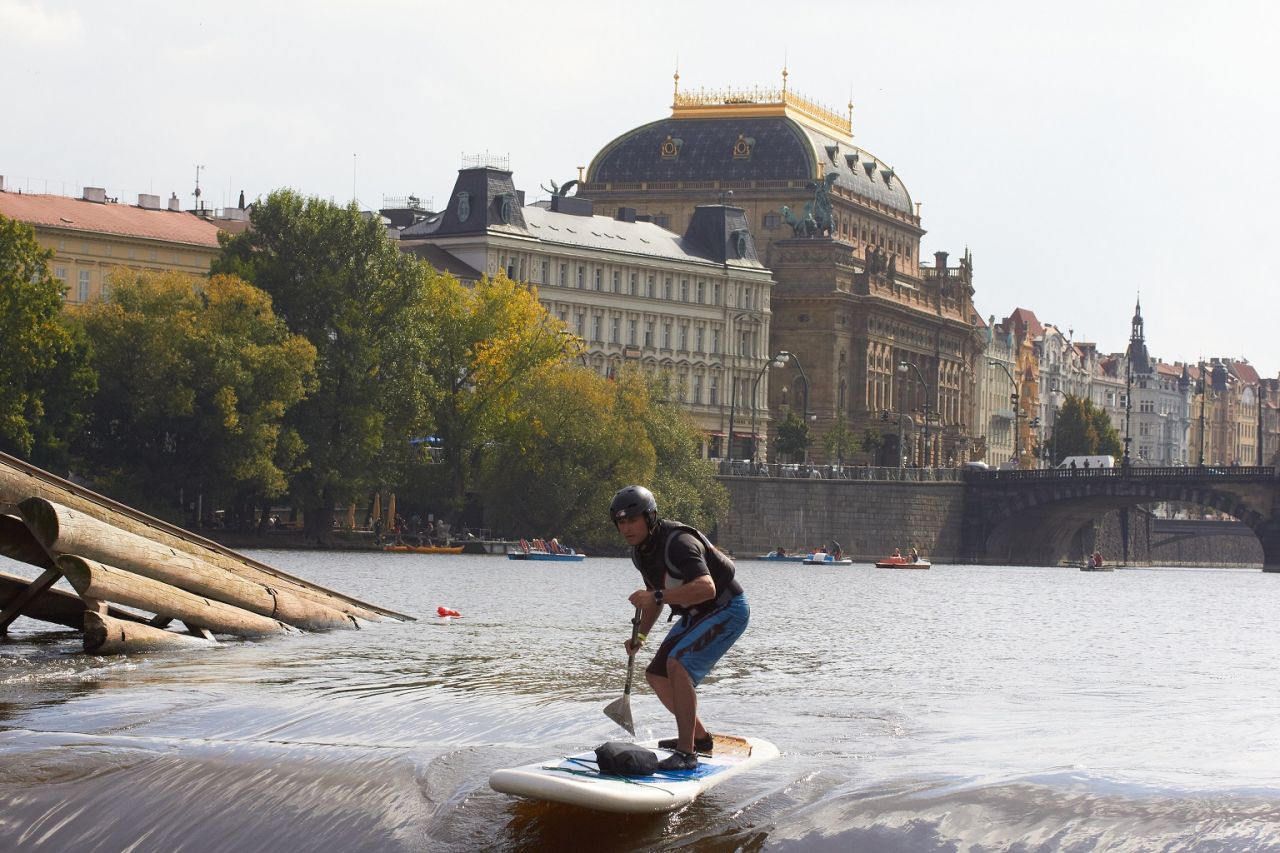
(443, 611)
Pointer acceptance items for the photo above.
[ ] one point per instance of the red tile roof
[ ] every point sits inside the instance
(55, 211)
(1245, 372)
(1022, 316)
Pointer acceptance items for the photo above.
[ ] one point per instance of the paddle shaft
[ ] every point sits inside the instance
(631, 658)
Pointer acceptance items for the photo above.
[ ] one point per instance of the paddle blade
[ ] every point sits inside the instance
(619, 710)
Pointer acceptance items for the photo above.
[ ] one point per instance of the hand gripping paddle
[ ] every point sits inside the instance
(619, 710)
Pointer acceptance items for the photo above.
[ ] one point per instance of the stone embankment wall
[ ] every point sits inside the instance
(868, 519)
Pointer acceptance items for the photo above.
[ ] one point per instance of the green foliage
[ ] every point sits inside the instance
(793, 436)
(1083, 429)
(44, 377)
(336, 280)
(840, 442)
(195, 385)
(479, 346)
(872, 440)
(551, 470)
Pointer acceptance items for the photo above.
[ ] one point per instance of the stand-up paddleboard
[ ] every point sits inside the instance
(577, 780)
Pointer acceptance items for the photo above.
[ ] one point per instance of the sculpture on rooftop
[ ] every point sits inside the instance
(818, 219)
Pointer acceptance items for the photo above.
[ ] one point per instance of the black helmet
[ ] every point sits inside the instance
(633, 500)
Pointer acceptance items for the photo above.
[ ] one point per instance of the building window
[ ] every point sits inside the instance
(596, 323)
(662, 220)
(715, 341)
(715, 293)
(564, 275)
(617, 282)
(546, 272)
(582, 274)
(60, 273)
(666, 288)
(697, 389)
(702, 291)
(772, 221)
(615, 334)
(599, 285)
(84, 285)
(581, 324)
(635, 279)
(649, 291)
(648, 334)
(104, 290)
(698, 338)
(631, 332)
(713, 392)
(684, 290)
(666, 336)
(684, 337)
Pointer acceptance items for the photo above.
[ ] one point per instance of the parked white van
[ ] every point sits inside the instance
(1088, 462)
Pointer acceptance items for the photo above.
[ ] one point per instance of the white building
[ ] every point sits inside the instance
(695, 306)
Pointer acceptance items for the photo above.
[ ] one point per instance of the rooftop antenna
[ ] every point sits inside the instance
(353, 179)
(197, 192)
(675, 95)
(784, 75)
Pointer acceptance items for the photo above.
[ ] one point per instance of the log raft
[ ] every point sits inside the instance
(20, 480)
(112, 553)
(93, 580)
(62, 530)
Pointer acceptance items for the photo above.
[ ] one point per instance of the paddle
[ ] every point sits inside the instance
(619, 710)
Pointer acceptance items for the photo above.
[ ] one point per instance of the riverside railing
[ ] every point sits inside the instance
(1133, 472)
(796, 471)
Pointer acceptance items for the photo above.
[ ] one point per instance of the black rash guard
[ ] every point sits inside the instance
(675, 554)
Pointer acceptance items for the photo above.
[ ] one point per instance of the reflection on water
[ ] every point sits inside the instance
(970, 707)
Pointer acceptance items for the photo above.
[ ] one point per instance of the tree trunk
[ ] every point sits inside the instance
(93, 580)
(66, 531)
(104, 635)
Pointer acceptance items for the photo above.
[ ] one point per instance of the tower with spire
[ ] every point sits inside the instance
(1139, 361)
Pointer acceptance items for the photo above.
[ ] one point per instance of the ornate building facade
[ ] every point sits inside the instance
(695, 306)
(871, 328)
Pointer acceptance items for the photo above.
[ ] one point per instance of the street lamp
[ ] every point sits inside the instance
(805, 379)
(777, 361)
(1053, 435)
(733, 396)
(1017, 453)
(926, 453)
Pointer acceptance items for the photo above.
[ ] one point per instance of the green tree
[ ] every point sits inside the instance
(840, 442)
(335, 279)
(793, 436)
(684, 483)
(1083, 429)
(195, 385)
(550, 470)
(45, 380)
(480, 345)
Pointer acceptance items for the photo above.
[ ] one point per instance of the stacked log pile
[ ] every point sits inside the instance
(116, 558)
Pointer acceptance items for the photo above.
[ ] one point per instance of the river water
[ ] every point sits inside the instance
(962, 708)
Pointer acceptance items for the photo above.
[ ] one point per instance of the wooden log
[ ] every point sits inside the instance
(67, 531)
(53, 605)
(19, 480)
(104, 635)
(93, 580)
(18, 543)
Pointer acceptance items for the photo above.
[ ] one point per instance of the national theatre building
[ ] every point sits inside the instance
(877, 337)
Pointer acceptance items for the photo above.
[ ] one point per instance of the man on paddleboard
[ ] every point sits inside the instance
(681, 568)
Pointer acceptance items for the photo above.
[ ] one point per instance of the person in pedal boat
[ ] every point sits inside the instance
(682, 569)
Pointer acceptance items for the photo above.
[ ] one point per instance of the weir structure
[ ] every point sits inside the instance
(135, 575)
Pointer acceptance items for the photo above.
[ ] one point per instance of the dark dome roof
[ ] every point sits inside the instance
(781, 149)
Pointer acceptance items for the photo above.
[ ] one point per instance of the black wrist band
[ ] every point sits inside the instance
(657, 596)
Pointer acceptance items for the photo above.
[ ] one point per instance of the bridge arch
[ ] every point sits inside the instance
(1031, 517)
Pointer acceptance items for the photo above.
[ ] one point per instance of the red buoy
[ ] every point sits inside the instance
(445, 611)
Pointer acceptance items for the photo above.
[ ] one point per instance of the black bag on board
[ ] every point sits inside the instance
(619, 758)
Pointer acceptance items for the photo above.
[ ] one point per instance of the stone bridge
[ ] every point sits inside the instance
(1031, 517)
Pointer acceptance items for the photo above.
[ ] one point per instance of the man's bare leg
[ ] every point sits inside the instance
(666, 692)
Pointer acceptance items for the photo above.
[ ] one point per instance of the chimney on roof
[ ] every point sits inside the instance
(1, 183)
(146, 201)
(626, 214)
(940, 262)
(97, 195)
(174, 202)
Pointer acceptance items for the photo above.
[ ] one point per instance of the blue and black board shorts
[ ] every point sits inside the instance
(698, 644)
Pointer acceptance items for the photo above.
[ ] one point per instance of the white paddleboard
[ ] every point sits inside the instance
(576, 780)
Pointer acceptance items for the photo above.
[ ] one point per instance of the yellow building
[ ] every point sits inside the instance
(91, 236)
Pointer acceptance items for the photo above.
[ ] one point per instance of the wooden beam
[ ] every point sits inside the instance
(104, 635)
(94, 580)
(54, 605)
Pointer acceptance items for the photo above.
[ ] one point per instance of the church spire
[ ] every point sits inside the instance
(1139, 361)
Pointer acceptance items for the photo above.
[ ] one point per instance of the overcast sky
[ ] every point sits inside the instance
(1084, 152)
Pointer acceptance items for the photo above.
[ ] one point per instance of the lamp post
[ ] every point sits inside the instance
(1128, 409)
(925, 449)
(777, 361)
(805, 379)
(1053, 435)
(733, 377)
(1204, 393)
(1013, 383)
(884, 416)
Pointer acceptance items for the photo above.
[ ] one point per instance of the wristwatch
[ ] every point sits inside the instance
(657, 596)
